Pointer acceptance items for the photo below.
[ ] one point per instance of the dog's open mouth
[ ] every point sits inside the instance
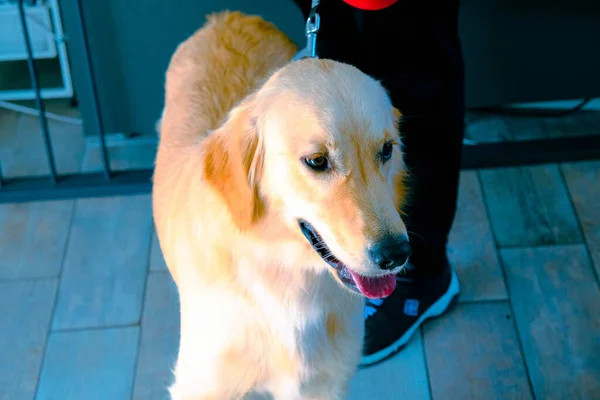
(370, 287)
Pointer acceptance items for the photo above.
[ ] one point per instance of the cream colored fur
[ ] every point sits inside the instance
(261, 312)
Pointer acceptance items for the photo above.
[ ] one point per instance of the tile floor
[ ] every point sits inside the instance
(88, 310)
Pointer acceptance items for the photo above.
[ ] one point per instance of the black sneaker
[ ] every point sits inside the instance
(391, 322)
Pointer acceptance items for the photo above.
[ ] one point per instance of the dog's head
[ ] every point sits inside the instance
(315, 156)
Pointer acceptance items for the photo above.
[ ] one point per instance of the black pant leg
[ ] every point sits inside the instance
(413, 48)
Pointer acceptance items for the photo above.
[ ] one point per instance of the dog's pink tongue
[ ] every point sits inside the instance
(374, 287)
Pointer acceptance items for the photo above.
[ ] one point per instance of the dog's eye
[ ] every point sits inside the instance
(386, 152)
(318, 162)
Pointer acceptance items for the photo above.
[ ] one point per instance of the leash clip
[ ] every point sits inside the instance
(313, 23)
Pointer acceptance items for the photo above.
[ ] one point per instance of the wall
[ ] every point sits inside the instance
(530, 50)
(515, 50)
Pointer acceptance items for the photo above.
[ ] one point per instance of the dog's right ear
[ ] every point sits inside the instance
(232, 164)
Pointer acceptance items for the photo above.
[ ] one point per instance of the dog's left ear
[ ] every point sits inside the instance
(233, 159)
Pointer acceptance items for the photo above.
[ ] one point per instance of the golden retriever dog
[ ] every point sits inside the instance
(276, 199)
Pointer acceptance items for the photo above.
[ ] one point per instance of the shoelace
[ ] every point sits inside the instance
(372, 306)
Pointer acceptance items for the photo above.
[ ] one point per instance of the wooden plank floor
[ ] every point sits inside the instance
(89, 311)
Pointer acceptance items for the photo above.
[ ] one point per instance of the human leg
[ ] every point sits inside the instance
(414, 50)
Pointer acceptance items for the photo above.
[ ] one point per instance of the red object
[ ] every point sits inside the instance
(371, 5)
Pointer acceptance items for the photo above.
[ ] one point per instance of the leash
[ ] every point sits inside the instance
(313, 23)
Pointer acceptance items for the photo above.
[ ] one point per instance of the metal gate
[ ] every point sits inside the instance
(78, 185)
(110, 183)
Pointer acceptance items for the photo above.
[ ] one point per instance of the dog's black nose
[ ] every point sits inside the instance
(390, 252)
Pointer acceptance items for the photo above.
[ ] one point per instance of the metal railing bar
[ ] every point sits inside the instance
(39, 102)
(132, 182)
(76, 186)
(94, 98)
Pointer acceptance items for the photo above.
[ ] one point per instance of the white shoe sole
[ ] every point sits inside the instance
(436, 309)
